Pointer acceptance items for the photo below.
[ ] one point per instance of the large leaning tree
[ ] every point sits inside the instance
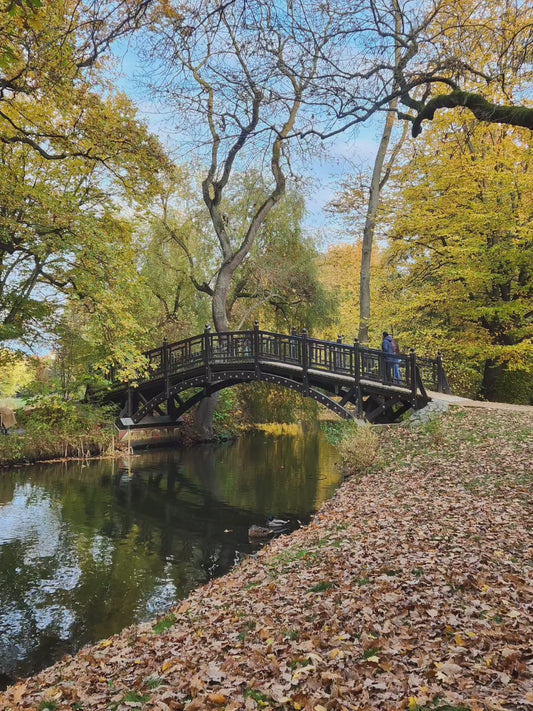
(238, 75)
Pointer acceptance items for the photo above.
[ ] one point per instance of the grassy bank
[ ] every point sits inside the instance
(410, 589)
(53, 429)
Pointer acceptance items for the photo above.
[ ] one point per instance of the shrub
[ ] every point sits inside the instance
(359, 449)
(51, 428)
(334, 432)
(228, 415)
(464, 378)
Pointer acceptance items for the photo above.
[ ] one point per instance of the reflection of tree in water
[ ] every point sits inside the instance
(39, 569)
(280, 478)
(179, 516)
(86, 550)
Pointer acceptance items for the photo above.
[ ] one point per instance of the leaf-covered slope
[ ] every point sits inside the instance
(410, 589)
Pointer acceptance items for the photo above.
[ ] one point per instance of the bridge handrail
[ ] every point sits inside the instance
(300, 350)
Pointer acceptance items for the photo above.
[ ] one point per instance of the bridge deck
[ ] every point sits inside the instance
(338, 377)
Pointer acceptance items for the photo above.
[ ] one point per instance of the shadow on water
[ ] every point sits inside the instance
(86, 550)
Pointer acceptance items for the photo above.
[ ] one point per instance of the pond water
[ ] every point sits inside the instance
(87, 549)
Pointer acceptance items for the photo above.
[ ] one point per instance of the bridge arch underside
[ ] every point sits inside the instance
(157, 404)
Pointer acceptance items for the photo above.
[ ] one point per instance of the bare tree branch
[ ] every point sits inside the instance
(482, 109)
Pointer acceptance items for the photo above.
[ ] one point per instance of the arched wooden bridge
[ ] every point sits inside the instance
(350, 380)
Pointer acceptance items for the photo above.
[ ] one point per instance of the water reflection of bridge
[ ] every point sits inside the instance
(351, 380)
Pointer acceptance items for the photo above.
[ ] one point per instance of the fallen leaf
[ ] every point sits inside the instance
(218, 699)
(214, 672)
(18, 692)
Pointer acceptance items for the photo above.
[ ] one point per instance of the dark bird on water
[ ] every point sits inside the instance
(259, 531)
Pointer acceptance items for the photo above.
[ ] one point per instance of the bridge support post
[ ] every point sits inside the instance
(256, 350)
(165, 364)
(412, 368)
(338, 355)
(357, 378)
(129, 402)
(207, 352)
(305, 361)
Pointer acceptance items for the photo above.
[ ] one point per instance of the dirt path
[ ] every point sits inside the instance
(410, 589)
(484, 404)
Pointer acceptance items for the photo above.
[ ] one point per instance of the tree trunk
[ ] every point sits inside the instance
(203, 421)
(370, 226)
(376, 185)
(492, 376)
(219, 303)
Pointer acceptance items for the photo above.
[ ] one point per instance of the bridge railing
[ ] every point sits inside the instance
(230, 347)
(432, 371)
(337, 357)
(187, 354)
(299, 350)
(280, 347)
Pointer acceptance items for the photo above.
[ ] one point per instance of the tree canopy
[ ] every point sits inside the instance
(96, 223)
(462, 245)
(73, 154)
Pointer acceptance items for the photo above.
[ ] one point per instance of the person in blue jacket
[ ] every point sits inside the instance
(392, 364)
(387, 346)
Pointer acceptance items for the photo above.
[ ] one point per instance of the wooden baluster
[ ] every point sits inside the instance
(294, 347)
(412, 368)
(256, 350)
(165, 365)
(338, 357)
(381, 366)
(305, 361)
(207, 347)
(357, 377)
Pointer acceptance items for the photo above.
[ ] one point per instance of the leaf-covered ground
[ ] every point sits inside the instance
(411, 589)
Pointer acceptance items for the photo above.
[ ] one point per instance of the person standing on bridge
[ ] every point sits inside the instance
(387, 346)
(396, 364)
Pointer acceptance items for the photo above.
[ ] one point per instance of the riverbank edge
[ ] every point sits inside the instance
(185, 439)
(113, 447)
(279, 632)
(116, 453)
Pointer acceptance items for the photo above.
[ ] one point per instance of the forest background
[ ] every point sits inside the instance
(113, 238)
